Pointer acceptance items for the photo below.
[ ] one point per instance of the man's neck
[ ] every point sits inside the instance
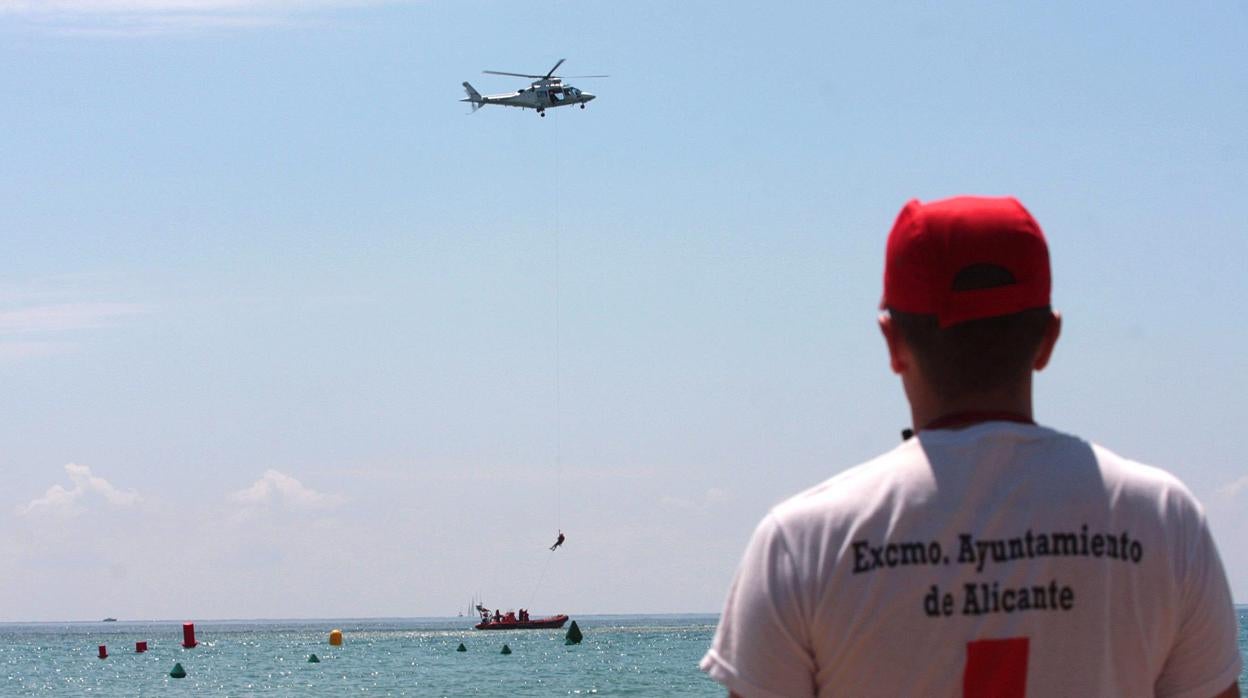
(1013, 405)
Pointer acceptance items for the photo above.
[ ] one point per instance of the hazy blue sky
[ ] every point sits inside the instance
(278, 317)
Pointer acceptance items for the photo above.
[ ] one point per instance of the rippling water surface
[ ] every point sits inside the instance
(621, 655)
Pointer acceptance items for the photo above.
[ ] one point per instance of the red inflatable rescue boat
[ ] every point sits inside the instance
(510, 622)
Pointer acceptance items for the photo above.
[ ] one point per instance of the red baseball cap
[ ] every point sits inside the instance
(966, 258)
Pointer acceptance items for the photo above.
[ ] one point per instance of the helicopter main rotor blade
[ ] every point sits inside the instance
(578, 77)
(552, 70)
(514, 75)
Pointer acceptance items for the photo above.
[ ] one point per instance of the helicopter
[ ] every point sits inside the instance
(545, 92)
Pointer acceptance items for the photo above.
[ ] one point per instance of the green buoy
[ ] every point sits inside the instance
(178, 672)
(506, 650)
(461, 648)
(313, 659)
(574, 636)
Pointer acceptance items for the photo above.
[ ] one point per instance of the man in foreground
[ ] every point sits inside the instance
(985, 555)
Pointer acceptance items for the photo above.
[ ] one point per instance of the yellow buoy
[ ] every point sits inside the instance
(335, 637)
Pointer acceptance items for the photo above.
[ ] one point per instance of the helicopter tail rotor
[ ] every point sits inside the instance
(474, 97)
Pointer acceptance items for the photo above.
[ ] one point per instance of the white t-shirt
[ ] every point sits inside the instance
(999, 559)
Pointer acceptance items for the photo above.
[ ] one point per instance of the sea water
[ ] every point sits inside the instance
(620, 656)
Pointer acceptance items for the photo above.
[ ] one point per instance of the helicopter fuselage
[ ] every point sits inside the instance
(545, 92)
(538, 96)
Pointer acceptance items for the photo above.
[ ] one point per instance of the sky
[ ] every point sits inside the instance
(286, 332)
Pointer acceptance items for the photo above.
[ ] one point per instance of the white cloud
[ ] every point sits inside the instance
(64, 317)
(146, 17)
(38, 317)
(276, 488)
(1233, 488)
(712, 497)
(150, 6)
(85, 488)
(17, 351)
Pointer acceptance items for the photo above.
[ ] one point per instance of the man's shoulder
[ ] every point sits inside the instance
(904, 476)
(1121, 467)
(853, 490)
(1127, 478)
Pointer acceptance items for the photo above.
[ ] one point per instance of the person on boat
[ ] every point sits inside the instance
(497, 616)
(558, 541)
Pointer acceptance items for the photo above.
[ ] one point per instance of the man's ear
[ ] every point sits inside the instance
(1052, 330)
(898, 355)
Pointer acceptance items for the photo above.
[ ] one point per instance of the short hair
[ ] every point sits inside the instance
(975, 357)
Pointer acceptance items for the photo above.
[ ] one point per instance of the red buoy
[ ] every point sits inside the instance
(103, 652)
(188, 635)
(140, 646)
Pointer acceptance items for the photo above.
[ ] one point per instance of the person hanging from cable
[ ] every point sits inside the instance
(558, 541)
